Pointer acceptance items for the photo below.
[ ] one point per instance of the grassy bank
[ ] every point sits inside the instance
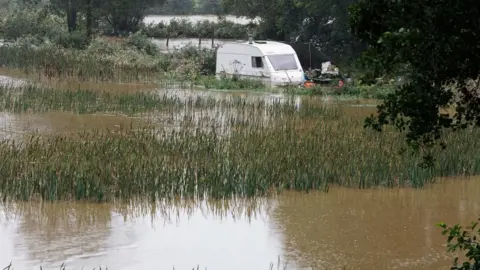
(256, 149)
(133, 59)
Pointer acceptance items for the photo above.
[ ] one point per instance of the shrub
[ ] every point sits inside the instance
(36, 23)
(74, 40)
(141, 42)
(464, 240)
(205, 58)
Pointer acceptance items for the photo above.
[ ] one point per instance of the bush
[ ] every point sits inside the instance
(204, 59)
(464, 240)
(74, 40)
(141, 42)
(36, 23)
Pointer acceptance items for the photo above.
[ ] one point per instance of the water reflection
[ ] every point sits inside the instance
(221, 236)
(20, 126)
(358, 229)
(375, 229)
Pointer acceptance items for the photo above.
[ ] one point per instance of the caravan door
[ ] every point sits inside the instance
(260, 68)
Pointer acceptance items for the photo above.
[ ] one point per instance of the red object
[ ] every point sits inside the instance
(309, 84)
(340, 83)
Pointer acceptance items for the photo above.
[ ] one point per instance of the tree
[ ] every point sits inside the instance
(211, 7)
(280, 19)
(183, 7)
(323, 23)
(123, 15)
(436, 43)
(70, 8)
(326, 26)
(463, 240)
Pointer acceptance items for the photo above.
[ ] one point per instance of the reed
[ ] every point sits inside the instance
(245, 148)
(52, 61)
(35, 98)
(134, 59)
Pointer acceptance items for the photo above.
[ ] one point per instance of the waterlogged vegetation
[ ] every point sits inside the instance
(259, 149)
(134, 59)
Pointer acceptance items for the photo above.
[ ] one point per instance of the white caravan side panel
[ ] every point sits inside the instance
(236, 59)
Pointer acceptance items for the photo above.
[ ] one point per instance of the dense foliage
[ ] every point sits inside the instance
(437, 46)
(466, 240)
(323, 23)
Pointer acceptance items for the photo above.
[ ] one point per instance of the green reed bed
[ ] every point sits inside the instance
(34, 98)
(304, 150)
(53, 61)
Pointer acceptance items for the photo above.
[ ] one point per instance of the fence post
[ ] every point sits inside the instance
(213, 36)
(199, 42)
(168, 38)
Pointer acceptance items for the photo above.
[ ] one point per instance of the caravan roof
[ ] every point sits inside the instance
(265, 47)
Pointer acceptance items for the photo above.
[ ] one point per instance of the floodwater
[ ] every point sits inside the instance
(351, 228)
(356, 229)
(195, 18)
(20, 126)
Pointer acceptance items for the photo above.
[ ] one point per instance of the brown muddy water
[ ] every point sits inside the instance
(19, 126)
(356, 229)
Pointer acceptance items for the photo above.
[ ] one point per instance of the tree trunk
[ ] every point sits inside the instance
(89, 15)
(72, 16)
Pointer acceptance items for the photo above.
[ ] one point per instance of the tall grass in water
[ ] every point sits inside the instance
(57, 62)
(106, 61)
(301, 149)
(33, 98)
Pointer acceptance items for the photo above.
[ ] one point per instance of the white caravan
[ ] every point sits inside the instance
(274, 63)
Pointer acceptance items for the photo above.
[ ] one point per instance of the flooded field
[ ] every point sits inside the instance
(193, 180)
(356, 229)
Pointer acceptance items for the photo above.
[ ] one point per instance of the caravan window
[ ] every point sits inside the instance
(257, 62)
(283, 61)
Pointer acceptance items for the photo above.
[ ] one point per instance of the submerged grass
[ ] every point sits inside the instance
(304, 148)
(34, 98)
